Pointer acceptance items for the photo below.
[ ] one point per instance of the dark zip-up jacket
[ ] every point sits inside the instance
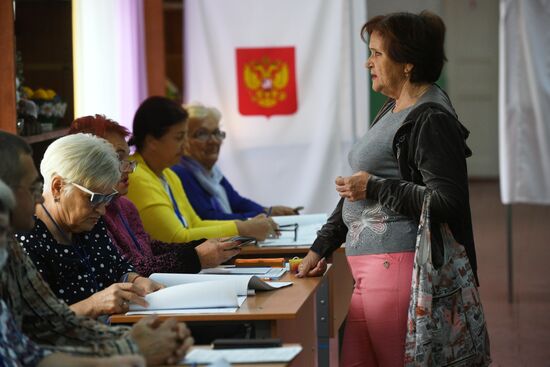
(431, 151)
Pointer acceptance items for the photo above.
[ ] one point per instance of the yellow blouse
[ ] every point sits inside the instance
(154, 204)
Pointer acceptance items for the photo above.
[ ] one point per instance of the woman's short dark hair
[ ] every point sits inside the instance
(154, 117)
(413, 39)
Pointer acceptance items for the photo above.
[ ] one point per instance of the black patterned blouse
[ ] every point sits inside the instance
(75, 272)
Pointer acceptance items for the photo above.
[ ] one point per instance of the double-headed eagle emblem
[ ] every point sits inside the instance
(266, 81)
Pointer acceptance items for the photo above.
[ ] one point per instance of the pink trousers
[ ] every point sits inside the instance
(377, 317)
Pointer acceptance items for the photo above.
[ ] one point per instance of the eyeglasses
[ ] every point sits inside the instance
(127, 166)
(96, 199)
(290, 228)
(204, 135)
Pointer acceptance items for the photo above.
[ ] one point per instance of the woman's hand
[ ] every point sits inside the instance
(146, 284)
(353, 187)
(258, 227)
(161, 342)
(282, 210)
(113, 299)
(214, 252)
(312, 265)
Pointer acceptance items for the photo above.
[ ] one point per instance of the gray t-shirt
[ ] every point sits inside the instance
(373, 228)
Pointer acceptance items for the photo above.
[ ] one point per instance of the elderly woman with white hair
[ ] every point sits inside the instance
(16, 348)
(69, 243)
(209, 191)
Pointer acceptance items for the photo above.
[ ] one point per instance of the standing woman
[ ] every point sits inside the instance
(159, 134)
(415, 145)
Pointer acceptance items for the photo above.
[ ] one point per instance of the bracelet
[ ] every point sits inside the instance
(134, 280)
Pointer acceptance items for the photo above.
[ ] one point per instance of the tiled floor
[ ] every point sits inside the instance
(520, 332)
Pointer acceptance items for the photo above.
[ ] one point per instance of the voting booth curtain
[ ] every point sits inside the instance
(524, 101)
(289, 79)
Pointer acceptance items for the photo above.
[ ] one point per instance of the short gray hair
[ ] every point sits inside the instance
(84, 159)
(198, 111)
(12, 147)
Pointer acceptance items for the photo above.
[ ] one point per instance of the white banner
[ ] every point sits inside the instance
(524, 101)
(290, 154)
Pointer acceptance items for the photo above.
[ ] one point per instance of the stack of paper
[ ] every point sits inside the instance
(308, 225)
(201, 293)
(260, 272)
(245, 355)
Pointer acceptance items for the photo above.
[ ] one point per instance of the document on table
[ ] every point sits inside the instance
(245, 355)
(191, 311)
(212, 294)
(260, 272)
(240, 283)
(308, 225)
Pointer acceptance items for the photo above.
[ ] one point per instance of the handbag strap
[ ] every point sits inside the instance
(423, 238)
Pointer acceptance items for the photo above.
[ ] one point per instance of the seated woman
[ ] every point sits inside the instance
(125, 227)
(209, 191)
(69, 243)
(159, 134)
(16, 349)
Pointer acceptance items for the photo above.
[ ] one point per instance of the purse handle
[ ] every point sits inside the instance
(423, 244)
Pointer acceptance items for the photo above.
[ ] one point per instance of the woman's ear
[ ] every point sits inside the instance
(408, 68)
(56, 187)
(150, 142)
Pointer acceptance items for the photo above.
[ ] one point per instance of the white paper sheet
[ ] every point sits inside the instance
(245, 355)
(261, 272)
(241, 283)
(308, 225)
(191, 311)
(212, 294)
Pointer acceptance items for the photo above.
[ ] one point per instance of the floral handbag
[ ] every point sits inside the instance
(446, 325)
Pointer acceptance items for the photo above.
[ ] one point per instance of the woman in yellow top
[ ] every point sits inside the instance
(159, 134)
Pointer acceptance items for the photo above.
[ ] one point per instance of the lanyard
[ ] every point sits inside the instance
(176, 209)
(129, 230)
(82, 256)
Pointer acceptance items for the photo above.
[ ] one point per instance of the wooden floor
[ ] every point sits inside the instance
(519, 332)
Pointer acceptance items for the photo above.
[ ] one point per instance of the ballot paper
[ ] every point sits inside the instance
(240, 283)
(308, 225)
(261, 272)
(190, 311)
(213, 294)
(245, 355)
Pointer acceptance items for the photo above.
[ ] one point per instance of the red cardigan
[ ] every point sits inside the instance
(147, 255)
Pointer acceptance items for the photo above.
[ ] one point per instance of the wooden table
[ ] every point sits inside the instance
(333, 296)
(287, 313)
